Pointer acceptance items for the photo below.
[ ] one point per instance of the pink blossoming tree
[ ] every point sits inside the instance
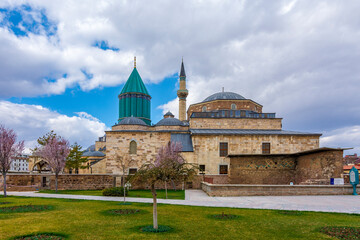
(168, 165)
(9, 149)
(55, 152)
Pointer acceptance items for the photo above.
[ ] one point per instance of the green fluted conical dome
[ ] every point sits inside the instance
(134, 99)
(134, 84)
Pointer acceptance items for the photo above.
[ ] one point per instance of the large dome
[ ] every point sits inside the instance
(170, 122)
(132, 121)
(224, 96)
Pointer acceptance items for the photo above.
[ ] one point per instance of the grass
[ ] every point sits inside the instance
(86, 220)
(179, 194)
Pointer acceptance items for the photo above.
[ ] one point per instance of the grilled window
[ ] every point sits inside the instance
(132, 171)
(202, 168)
(204, 108)
(223, 149)
(233, 106)
(223, 169)
(266, 148)
(133, 147)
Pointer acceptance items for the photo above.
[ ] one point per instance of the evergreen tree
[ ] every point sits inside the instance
(75, 160)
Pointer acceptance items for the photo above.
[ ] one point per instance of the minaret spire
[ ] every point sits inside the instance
(182, 93)
(134, 61)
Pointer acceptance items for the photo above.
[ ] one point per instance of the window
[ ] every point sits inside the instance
(204, 108)
(266, 148)
(132, 171)
(233, 106)
(133, 147)
(202, 168)
(223, 149)
(223, 169)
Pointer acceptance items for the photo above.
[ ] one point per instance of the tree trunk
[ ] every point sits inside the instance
(4, 175)
(155, 220)
(123, 185)
(56, 182)
(165, 189)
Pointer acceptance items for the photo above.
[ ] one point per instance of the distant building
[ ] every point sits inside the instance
(20, 164)
(351, 159)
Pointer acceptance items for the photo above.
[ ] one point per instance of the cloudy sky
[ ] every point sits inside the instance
(63, 63)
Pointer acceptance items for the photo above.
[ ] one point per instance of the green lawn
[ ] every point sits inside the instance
(179, 194)
(82, 219)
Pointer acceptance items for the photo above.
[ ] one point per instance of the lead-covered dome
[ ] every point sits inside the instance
(224, 96)
(132, 121)
(169, 122)
(94, 154)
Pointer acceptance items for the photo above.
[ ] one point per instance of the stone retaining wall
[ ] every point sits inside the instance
(233, 190)
(26, 182)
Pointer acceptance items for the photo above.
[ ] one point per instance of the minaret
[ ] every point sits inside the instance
(182, 93)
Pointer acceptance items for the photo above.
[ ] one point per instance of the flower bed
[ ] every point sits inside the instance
(342, 232)
(224, 216)
(41, 236)
(123, 211)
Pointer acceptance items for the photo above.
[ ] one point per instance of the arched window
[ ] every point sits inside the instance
(233, 106)
(204, 108)
(133, 147)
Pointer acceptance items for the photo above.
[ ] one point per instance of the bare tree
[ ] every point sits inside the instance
(55, 152)
(152, 173)
(125, 162)
(9, 149)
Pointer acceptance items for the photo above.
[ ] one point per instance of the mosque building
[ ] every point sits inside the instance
(226, 135)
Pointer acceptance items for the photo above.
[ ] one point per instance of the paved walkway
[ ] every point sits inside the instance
(337, 203)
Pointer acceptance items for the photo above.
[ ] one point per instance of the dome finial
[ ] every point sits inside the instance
(134, 61)
(222, 89)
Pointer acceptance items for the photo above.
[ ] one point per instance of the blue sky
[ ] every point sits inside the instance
(63, 63)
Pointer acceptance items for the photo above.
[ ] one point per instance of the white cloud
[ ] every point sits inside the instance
(299, 58)
(347, 137)
(33, 121)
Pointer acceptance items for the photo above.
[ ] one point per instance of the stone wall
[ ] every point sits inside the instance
(65, 181)
(245, 104)
(319, 167)
(232, 190)
(206, 147)
(303, 168)
(236, 123)
(262, 170)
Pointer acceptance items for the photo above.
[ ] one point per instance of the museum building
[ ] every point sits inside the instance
(226, 135)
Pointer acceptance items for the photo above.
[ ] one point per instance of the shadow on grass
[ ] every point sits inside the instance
(290, 213)
(41, 235)
(225, 216)
(26, 208)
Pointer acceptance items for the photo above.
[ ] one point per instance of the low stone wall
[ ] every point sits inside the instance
(232, 190)
(30, 182)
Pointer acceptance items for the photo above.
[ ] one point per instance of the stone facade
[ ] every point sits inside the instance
(236, 123)
(245, 104)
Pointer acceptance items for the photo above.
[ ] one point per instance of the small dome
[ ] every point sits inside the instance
(93, 154)
(132, 121)
(90, 148)
(170, 122)
(224, 96)
(169, 114)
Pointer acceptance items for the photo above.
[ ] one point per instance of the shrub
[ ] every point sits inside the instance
(114, 191)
